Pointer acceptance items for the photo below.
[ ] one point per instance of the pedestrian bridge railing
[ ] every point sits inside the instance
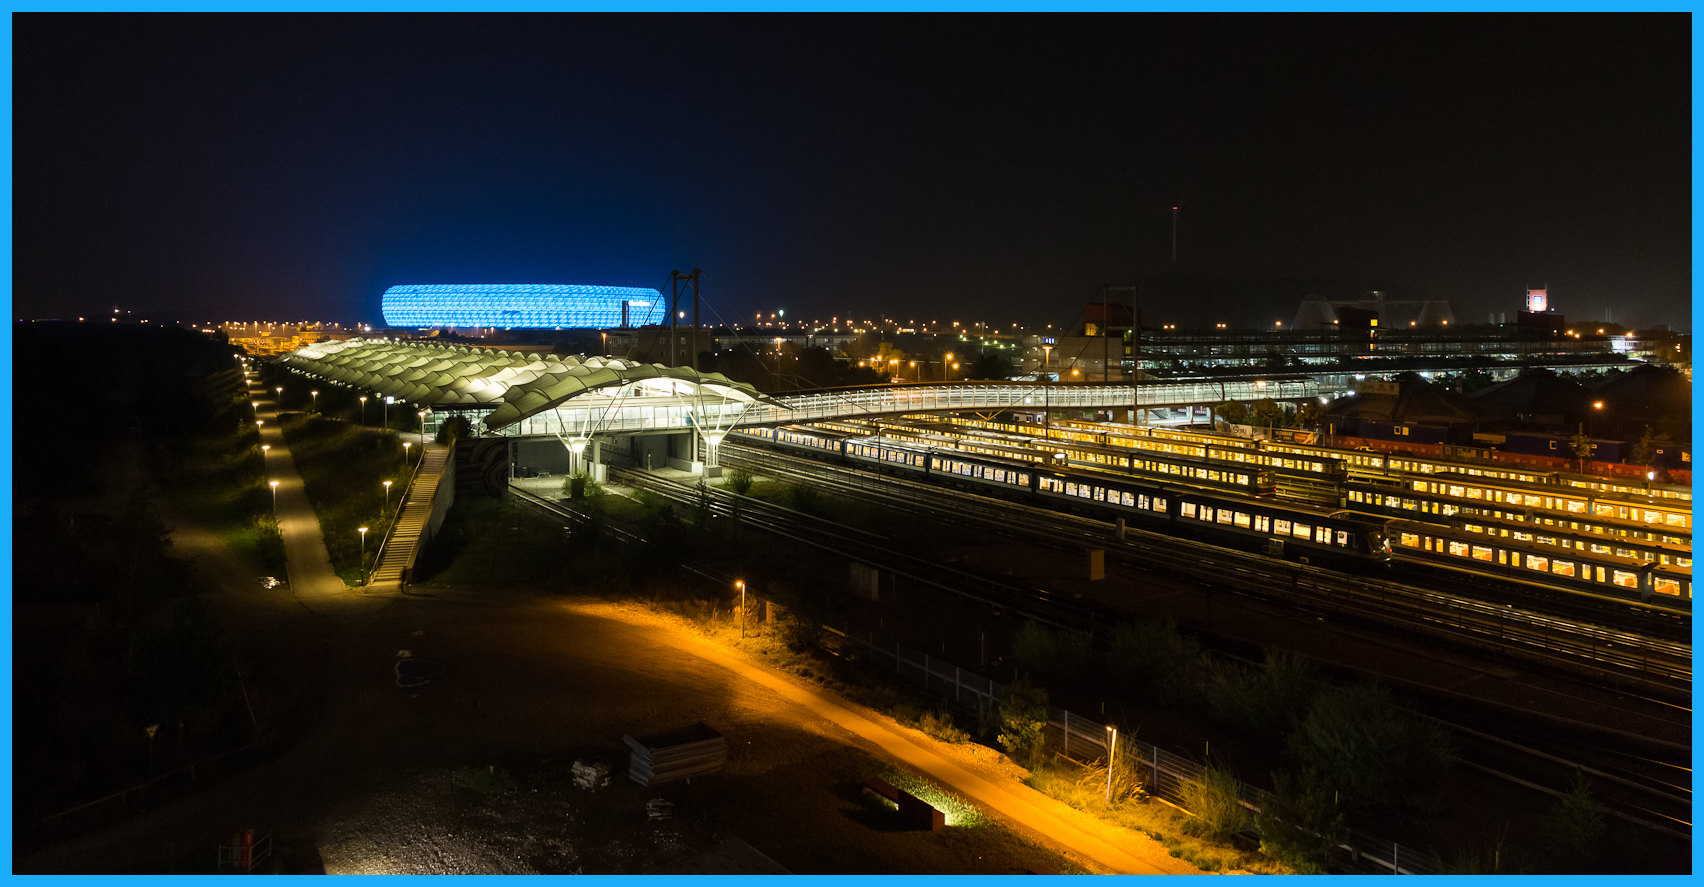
(676, 413)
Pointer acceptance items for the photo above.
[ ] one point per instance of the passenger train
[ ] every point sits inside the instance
(1278, 528)
(1316, 458)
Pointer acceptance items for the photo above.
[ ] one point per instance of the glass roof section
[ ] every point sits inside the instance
(516, 384)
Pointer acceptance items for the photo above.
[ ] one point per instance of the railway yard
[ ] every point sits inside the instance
(1544, 620)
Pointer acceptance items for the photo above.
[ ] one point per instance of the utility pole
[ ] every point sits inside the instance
(1174, 238)
(678, 280)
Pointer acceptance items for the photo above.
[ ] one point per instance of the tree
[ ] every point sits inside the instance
(454, 428)
(1023, 721)
(1235, 412)
(1268, 414)
(1581, 445)
(1369, 750)
(988, 365)
(1576, 828)
(1644, 448)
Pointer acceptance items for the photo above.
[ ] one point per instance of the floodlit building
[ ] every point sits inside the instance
(521, 306)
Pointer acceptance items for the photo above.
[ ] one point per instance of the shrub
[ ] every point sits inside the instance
(1023, 721)
(939, 724)
(1263, 700)
(737, 481)
(1216, 800)
(1300, 825)
(1043, 651)
(1157, 661)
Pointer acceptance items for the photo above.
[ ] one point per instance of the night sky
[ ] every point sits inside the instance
(996, 168)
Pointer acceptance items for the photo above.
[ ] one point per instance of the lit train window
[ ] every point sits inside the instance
(1537, 562)
(1022, 479)
(1302, 531)
(1281, 527)
(1562, 568)
(1227, 516)
(1188, 509)
(1126, 499)
(1459, 549)
(1624, 578)
(1665, 585)
(1481, 553)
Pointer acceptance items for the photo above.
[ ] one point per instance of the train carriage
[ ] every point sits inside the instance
(1531, 561)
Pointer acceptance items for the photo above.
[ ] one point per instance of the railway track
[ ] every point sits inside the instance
(1659, 666)
(1636, 779)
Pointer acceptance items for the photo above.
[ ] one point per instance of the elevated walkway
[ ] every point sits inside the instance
(396, 556)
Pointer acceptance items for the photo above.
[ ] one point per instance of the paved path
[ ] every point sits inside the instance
(1100, 845)
(307, 562)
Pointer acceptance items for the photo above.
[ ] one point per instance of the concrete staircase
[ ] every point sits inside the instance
(403, 546)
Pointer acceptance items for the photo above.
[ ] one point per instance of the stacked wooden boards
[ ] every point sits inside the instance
(677, 754)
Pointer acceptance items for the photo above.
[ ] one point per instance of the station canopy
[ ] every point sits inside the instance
(515, 384)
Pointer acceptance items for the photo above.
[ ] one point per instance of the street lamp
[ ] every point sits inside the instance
(387, 495)
(740, 584)
(405, 445)
(315, 396)
(363, 409)
(274, 485)
(361, 562)
(280, 390)
(1111, 749)
(1649, 476)
(947, 366)
(263, 449)
(422, 415)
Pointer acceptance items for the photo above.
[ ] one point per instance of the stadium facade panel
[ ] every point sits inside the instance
(521, 305)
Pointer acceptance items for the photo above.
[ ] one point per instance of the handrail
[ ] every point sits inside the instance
(407, 490)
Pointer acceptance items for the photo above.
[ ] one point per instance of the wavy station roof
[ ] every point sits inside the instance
(517, 384)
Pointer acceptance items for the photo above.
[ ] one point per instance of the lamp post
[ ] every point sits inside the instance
(280, 390)
(387, 495)
(274, 485)
(1111, 749)
(1649, 477)
(422, 415)
(387, 413)
(361, 562)
(363, 409)
(263, 454)
(405, 445)
(315, 396)
(947, 367)
(740, 584)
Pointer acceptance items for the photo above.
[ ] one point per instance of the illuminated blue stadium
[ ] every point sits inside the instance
(521, 305)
